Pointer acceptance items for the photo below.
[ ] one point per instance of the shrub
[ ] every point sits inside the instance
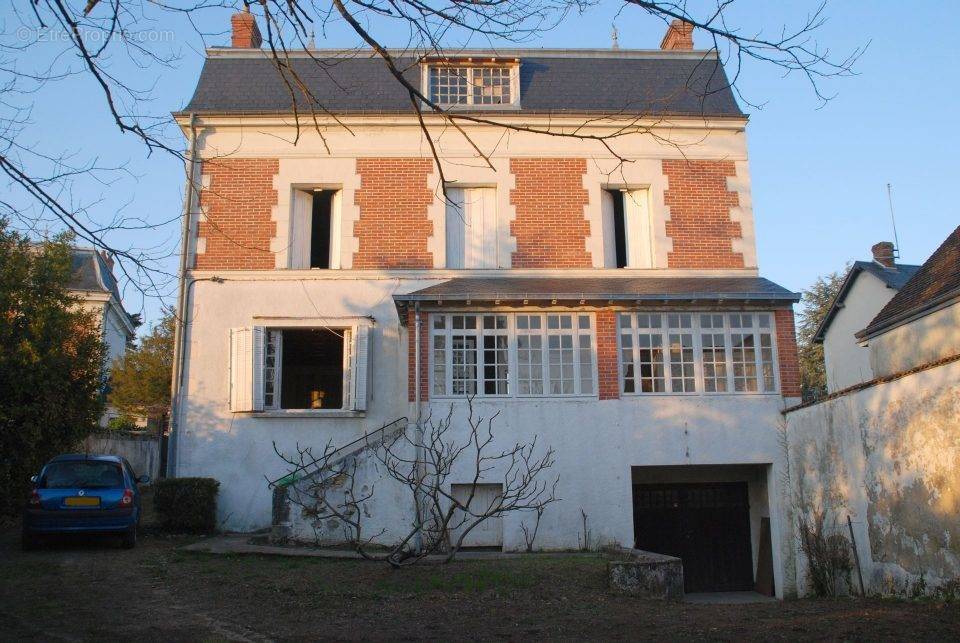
(122, 423)
(829, 562)
(187, 505)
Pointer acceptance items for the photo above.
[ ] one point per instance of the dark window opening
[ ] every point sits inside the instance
(312, 369)
(619, 228)
(320, 229)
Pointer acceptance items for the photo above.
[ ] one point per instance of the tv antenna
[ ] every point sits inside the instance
(893, 221)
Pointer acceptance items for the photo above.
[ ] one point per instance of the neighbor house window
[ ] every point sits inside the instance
(315, 229)
(471, 227)
(302, 368)
(486, 85)
(691, 352)
(626, 229)
(499, 354)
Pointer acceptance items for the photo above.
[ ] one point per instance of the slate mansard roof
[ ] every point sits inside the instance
(936, 283)
(584, 81)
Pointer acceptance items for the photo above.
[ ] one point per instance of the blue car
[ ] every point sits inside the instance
(83, 493)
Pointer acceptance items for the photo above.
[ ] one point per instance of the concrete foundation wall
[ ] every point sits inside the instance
(889, 457)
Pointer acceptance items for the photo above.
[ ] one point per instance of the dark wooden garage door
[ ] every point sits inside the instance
(706, 525)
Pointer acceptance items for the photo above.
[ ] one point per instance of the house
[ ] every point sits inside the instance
(92, 281)
(880, 460)
(867, 288)
(606, 300)
(921, 324)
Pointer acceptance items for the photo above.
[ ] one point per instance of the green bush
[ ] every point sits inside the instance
(187, 505)
(122, 423)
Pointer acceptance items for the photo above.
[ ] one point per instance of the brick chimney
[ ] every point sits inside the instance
(246, 33)
(107, 259)
(679, 36)
(883, 254)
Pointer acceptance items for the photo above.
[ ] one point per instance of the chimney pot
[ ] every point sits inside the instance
(883, 254)
(245, 34)
(679, 36)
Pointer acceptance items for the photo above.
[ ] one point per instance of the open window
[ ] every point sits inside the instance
(303, 368)
(626, 229)
(316, 235)
(472, 231)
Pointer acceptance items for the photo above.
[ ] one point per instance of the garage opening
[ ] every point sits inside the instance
(710, 518)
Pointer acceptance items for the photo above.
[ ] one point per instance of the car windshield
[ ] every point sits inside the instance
(81, 474)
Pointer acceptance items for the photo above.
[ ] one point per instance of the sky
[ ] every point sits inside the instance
(818, 171)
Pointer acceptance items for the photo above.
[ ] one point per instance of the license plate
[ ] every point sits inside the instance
(82, 501)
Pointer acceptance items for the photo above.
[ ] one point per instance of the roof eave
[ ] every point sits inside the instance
(907, 316)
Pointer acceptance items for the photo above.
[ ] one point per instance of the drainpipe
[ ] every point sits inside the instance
(418, 459)
(182, 294)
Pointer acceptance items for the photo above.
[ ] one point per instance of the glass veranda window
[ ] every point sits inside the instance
(512, 354)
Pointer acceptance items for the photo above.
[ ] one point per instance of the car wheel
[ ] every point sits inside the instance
(130, 538)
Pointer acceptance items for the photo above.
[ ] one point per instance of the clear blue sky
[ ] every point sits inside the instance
(818, 172)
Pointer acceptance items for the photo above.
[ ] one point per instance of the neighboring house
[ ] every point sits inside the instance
(612, 309)
(921, 324)
(93, 282)
(868, 286)
(884, 454)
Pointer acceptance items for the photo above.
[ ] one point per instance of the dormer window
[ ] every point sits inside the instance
(492, 84)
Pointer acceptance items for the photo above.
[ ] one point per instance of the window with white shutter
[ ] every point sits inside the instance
(626, 229)
(472, 230)
(315, 230)
(301, 368)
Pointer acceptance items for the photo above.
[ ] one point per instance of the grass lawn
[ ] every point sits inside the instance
(93, 590)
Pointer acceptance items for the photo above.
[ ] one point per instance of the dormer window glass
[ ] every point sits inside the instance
(486, 85)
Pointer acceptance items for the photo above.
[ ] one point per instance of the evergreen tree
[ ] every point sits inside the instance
(814, 305)
(140, 380)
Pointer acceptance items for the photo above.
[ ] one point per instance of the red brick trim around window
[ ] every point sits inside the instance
(550, 227)
(700, 226)
(608, 369)
(393, 227)
(787, 352)
(237, 226)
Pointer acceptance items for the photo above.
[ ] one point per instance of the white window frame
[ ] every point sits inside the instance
(471, 68)
(512, 332)
(665, 330)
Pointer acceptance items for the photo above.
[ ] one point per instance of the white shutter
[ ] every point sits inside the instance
(360, 352)
(636, 220)
(335, 233)
(246, 369)
(301, 229)
(481, 234)
(456, 224)
(609, 230)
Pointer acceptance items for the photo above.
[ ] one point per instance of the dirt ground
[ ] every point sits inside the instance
(93, 590)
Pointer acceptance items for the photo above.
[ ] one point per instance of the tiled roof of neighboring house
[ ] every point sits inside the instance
(936, 282)
(91, 273)
(655, 83)
(604, 288)
(894, 279)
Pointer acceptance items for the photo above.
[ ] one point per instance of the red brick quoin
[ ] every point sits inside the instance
(238, 225)
(787, 352)
(412, 356)
(393, 227)
(550, 226)
(700, 225)
(608, 373)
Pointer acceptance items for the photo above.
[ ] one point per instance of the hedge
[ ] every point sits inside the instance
(187, 505)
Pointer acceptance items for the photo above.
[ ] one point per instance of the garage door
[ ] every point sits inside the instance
(706, 525)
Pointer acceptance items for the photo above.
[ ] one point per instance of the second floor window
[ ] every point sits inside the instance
(472, 231)
(464, 85)
(315, 233)
(626, 229)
